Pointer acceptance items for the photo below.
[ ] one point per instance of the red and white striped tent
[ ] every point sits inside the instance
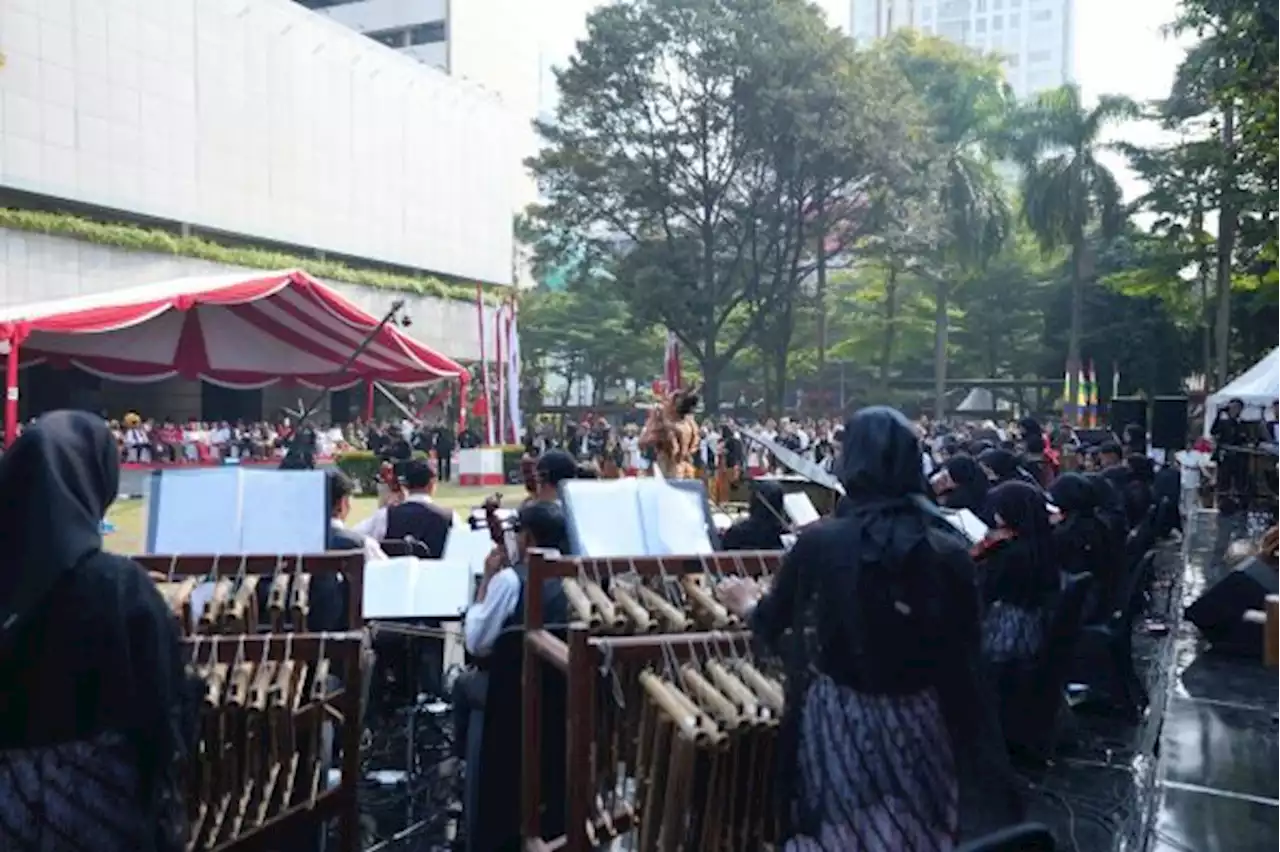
(243, 331)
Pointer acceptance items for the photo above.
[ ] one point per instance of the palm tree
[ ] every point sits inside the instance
(1066, 189)
(967, 100)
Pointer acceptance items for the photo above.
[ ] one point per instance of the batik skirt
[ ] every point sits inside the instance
(876, 773)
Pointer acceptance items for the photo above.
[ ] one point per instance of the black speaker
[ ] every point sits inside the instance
(1219, 612)
(1125, 410)
(1169, 422)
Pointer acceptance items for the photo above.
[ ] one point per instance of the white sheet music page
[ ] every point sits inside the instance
(605, 514)
(800, 509)
(198, 511)
(968, 523)
(673, 520)
(283, 511)
(405, 587)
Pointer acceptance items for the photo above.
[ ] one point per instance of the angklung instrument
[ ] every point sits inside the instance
(260, 771)
(671, 717)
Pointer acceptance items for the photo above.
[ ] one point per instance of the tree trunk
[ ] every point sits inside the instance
(890, 329)
(711, 386)
(940, 331)
(821, 294)
(1226, 247)
(780, 370)
(1073, 334)
(1202, 278)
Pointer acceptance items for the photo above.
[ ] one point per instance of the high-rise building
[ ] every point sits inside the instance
(1036, 37)
(489, 43)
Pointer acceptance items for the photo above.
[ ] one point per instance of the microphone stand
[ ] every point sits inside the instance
(396, 307)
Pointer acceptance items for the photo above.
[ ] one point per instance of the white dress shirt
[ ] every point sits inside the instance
(483, 623)
(372, 550)
(375, 526)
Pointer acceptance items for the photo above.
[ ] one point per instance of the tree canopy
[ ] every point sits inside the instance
(805, 215)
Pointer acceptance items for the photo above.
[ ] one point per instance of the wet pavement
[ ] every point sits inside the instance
(1217, 786)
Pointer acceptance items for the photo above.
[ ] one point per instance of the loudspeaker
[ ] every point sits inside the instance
(1169, 422)
(1125, 410)
(1219, 612)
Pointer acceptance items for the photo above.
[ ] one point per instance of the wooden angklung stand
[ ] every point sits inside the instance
(259, 778)
(670, 721)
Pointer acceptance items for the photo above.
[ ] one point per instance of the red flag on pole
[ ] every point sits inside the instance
(671, 371)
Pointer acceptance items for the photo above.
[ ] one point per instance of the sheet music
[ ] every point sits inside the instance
(968, 523)
(604, 516)
(238, 510)
(672, 519)
(800, 509)
(405, 587)
(195, 511)
(283, 511)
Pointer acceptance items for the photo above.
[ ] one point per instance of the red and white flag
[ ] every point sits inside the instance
(671, 367)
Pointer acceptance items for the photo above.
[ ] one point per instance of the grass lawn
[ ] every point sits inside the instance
(130, 516)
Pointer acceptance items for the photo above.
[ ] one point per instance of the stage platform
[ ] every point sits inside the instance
(1218, 768)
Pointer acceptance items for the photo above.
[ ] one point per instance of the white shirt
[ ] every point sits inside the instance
(483, 623)
(375, 526)
(1190, 462)
(372, 550)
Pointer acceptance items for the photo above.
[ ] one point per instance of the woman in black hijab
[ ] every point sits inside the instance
(94, 709)
(889, 742)
(970, 487)
(1082, 541)
(765, 523)
(1003, 466)
(1018, 572)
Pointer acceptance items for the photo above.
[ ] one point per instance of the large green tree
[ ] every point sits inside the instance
(692, 139)
(1066, 188)
(966, 102)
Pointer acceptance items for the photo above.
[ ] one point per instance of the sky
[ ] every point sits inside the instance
(1119, 49)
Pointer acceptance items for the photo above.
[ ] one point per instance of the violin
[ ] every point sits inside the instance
(490, 506)
(529, 473)
(989, 542)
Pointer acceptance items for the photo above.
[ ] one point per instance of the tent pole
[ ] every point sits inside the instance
(368, 400)
(11, 393)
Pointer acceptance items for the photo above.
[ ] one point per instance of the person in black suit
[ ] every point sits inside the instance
(445, 442)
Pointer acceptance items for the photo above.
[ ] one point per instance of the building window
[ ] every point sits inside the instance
(980, 6)
(1036, 57)
(997, 23)
(1041, 15)
(432, 32)
(429, 33)
(1012, 60)
(1014, 20)
(980, 26)
(996, 4)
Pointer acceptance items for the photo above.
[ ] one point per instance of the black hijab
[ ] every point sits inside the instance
(971, 483)
(88, 649)
(765, 523)
(1074, 494)
(56, 483)
(1021, 508)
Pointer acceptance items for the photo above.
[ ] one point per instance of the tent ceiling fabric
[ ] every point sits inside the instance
(1256, 387)
(242, 331)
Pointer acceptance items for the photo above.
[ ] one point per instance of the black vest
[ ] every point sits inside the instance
(428, 524)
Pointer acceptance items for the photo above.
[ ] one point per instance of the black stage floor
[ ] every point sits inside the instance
(1199, 773)
(1218, 768)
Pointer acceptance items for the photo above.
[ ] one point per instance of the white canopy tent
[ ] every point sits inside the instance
(1257, 388)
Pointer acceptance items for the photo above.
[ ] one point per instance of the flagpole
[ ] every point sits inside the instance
(499, 327)
(484, 367)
